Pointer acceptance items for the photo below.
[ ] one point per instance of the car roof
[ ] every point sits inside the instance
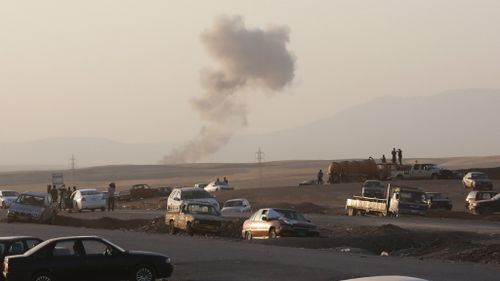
(187, 188)
(12, 238)
(387, 278)
(5, 190)
(237, 199)
(87, 189)
(73, 238)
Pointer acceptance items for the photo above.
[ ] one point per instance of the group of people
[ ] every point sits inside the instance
(224, 181)
(397, 156)
(61, 196)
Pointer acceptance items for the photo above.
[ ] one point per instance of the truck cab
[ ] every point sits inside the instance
(415, 171)
(407, 200)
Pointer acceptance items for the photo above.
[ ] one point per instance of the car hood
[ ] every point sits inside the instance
(145, 253)
(26, 209)
(297, 223)
(206, 217)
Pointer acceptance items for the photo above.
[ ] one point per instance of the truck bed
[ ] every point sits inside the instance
(367, 204)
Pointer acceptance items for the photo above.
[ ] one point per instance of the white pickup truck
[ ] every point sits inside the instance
(415, 171)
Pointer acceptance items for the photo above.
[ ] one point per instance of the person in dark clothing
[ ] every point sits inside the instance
(226, 181)
(68, 200)
(384, 160)
(54, 194)
(111, 196)
(62, 196)
(49, 187)
(320, 177)
(393, 152)
(400, 156)
(74, 188)
(217, 182)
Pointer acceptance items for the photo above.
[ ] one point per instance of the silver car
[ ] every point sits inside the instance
(7, 197)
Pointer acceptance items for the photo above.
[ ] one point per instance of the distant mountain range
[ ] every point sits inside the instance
(454, 123)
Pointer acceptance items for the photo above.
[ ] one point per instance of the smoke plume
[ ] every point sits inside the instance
(247, 58)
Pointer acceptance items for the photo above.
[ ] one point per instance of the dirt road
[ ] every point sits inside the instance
(199, 258)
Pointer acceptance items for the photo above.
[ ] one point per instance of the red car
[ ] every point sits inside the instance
(273, 223)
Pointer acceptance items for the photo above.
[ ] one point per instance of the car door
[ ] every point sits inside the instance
(67, 261)
(259, 227)
(103, 261)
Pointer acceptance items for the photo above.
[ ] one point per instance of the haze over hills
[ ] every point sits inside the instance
(454, 123)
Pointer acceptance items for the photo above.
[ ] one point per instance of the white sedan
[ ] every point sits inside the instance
(88, 199)
(215, 186)
(7, 197)
(236, 208)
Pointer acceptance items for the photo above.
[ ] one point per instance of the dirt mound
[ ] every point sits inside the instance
(101, 223)
(306, 207)
(460, 215)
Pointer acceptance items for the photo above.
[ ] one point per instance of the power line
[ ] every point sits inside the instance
(259, 157)
(72, 164)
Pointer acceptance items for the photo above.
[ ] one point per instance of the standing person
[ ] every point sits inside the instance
(68, 199)
(111, 196)
(226, 182)
(320, 177)
(217, 182)
(74, 188)
(62, 196)
(394, 155)
(53, 194)
(400, 156)
(49, 187)
(384, 160)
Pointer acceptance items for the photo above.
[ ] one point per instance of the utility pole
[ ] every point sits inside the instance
(259, 157)
(72, 163)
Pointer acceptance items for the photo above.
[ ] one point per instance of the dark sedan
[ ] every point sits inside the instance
(436, 200)
(487, 206)
(16, 245)
(84, 258)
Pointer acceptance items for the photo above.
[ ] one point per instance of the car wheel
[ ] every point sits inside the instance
(144, 273)
(42, 277)
(189, 229)
(171, 227)
(248, 235)
(272, 233)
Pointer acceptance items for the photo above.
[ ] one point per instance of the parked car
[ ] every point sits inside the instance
(194, 217)
(446, 174)
(88, 199)
(477, 181)
(7, 197)
(236, 208)
(138, 191)
(437, 200)
(373, 189)
(477, 195)
(165, 190)
(15, 245)
(415, 171)
(309, 182)
(487, 206)
(273, 223)
(218, 186)
(32, 206)
(184, 194)
(82, 258)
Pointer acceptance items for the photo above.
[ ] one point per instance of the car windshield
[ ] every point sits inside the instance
(201, 209)
(90, 192)
(195, 194)
(236, 203)
(372, 184)
(496, 197)
(28, 199)
(10, 193)
(479, 176)
(412, 197)
(289, 214)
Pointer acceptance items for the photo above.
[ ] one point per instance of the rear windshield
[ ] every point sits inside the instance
(10, 193)
(195, 194)
(28, 199)
(479, 176)
(412, 197)
(233, 204)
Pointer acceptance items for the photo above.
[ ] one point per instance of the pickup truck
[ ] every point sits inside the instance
(194, 217)
(399, 200)
(415, 171)
(138, 191)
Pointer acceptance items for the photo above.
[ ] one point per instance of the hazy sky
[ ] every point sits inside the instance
(127, 70)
